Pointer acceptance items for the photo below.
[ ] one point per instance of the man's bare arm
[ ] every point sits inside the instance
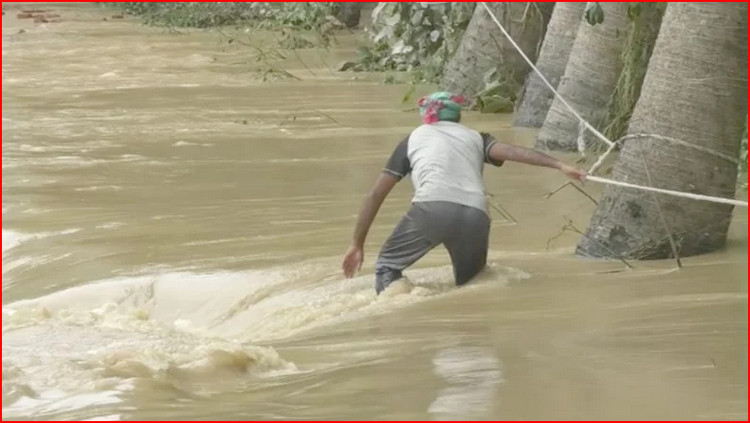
(355, 255)
(505, 152)
(370, 206)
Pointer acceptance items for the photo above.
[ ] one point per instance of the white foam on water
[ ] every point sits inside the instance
(12, 239)
(199, 333)
(58, 401)
(252, 306)
(108, 417)
(110, 225)
(99, 188)
(69, 359)
(188, 143)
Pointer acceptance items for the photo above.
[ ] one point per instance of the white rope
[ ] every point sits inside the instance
(603, 138)
(541, 76)
(684, 144)
(669, 192)
(581, 140)
(601, 159)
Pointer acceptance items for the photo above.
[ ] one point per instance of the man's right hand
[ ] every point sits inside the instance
(573, 172)
(353, 260)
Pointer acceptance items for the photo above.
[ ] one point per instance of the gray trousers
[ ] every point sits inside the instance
(463, 230)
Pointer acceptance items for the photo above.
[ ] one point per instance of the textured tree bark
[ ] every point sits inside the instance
(553, 57)
(349, 13)
(483, 47)
(639, 44)
(589, 80)
(694, 92)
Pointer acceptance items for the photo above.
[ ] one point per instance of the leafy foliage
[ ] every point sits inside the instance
(594, 13)
(302, 15)
(643, 28)
(502, 86)
(294, 25)
(415, 37)
(743, 148)
(499, 94)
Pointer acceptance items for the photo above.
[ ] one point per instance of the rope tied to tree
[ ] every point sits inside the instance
(611, 144)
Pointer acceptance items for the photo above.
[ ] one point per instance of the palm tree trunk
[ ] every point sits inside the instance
(639, 44)
(553, 57)
(685, 130)
(484, 48)
(589, 80)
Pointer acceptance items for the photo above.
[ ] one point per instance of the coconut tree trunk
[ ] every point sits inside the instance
(349, 13)
(553, 57)
(694, 94)
(484, 48)
(589, 79)
(645, 20)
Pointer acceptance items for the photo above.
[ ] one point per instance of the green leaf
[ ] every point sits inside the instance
(378, 10)
(594, 13)
(634, 10)
(344, 66)
(364, 54)
(409, 93)
(497, 88)
(490, 76)
(495, 104)
(416, 18)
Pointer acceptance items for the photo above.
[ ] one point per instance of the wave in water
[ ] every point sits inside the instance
(12, 239)
(196, 333)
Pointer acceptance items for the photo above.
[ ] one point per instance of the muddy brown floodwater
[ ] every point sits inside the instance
(172, 235)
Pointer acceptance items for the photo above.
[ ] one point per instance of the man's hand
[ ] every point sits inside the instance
(500, 152)
(573, 172)
(353, 260)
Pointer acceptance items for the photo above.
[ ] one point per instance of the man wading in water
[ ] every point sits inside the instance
(445, 160)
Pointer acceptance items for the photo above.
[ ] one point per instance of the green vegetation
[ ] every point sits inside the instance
(645, 20)
(594, 13)
(302, 15)
(499, 94)
(743, 149)
(415, 38)
(293, 26)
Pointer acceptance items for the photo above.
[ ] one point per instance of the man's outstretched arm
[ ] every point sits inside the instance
(370, 206)
(500, 152)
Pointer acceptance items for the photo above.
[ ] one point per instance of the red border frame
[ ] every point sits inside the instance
(78, 1)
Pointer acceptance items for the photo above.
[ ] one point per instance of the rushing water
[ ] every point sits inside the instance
(172, 235)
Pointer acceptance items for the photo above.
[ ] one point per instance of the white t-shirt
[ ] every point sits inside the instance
(445, 160)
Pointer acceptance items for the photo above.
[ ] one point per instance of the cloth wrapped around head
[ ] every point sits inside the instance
(441, 106)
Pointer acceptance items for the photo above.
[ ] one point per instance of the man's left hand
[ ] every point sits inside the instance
(352, 260)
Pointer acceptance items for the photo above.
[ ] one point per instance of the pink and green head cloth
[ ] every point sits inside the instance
(441, 106)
